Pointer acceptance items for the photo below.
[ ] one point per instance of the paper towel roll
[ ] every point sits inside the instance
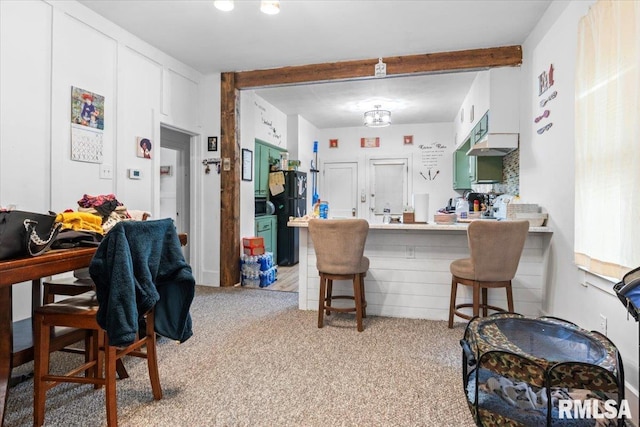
(421, 207)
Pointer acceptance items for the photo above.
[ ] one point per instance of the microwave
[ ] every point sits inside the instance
(264, 207)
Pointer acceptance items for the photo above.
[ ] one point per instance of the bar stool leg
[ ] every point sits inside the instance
(321, 298)
(452, 304)
(329, 296)
(358, 301)
(364, 299)
(485, 301)
(510, 297)
(476, 299)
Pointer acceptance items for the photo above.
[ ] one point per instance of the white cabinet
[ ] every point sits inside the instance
(496, 91)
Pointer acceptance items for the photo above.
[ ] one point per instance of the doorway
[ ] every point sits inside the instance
(175, 183)
(340, 189)
(388, 186)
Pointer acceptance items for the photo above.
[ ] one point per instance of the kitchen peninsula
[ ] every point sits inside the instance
(409, 272)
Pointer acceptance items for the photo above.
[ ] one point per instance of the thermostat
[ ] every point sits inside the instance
(135, 174)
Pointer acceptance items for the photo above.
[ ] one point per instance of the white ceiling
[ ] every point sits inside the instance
(319, 31)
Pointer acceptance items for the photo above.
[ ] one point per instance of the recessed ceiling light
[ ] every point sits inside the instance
(270, 7)
(224, 5)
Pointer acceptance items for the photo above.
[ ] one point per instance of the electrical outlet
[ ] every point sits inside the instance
(603, 324)
(411, 252)
(106, 171)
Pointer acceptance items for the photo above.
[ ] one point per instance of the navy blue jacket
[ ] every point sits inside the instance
(140, 264)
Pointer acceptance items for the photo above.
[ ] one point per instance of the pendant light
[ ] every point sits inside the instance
(377, 118)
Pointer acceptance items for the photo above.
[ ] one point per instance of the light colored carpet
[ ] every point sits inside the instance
(256, 360)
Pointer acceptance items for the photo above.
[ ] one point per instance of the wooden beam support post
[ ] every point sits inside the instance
(229, 184)
(430, 63)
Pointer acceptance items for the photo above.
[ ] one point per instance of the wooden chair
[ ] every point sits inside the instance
(339, 247)
(496, 247)
(80, 312)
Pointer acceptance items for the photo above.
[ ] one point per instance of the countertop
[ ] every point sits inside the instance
(431, 226)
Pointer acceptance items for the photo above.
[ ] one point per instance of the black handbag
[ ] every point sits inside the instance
(68, 238)
(26, 233)
(628, 291)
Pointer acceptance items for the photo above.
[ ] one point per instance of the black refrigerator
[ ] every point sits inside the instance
(291, 202)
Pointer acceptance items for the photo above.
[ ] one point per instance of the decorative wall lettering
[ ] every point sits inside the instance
(431, 155)
(545, 80)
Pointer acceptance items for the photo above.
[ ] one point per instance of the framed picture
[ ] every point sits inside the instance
(370, 142)
(247, 165)
(144, 147)
(333, 143)
(212, 143)
(408, 139)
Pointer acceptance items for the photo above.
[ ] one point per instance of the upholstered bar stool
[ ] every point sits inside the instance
(496, 247)
(339, 248)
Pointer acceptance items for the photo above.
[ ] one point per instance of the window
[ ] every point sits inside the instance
(608, 139)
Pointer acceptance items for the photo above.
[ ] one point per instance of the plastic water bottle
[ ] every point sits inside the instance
(324, 210)
(386, 218)
(462, 208)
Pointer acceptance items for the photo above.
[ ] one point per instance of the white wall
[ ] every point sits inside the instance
(48, 47)
(258, 120)
(205, 188)
(425, 136)
(547, 174)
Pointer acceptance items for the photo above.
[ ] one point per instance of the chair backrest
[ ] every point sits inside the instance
(339, 244)
(496, 247)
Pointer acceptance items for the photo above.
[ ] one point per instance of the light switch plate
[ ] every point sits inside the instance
(106, 171)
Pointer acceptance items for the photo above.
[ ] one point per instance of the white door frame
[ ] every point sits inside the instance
(370, 160)
(195, 188)
(354, 190)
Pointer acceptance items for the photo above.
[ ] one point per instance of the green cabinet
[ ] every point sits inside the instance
(267, 228)
(461, 179)
(264, 156)
(469, 170)
(480, 129)
(485, 169)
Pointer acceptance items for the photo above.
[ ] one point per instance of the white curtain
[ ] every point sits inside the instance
(607, 210)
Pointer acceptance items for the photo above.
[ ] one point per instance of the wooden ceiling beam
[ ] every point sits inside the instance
(463, 60)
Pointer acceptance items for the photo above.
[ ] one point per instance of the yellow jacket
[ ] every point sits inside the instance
(80, 221)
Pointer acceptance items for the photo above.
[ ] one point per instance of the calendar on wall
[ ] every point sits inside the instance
(86, 144)
(87, 125)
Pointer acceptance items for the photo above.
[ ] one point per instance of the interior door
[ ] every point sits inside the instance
(175, 181)
(388, 184)
(340, 189)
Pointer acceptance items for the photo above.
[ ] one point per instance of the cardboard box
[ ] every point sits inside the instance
(408, 217)
(256, 250)
(253, 242)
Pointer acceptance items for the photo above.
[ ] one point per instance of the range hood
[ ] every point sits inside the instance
(495, 144)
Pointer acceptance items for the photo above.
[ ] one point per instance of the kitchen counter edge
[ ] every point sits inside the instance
(419, 226)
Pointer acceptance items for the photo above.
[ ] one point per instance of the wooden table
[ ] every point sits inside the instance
(16, 340)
